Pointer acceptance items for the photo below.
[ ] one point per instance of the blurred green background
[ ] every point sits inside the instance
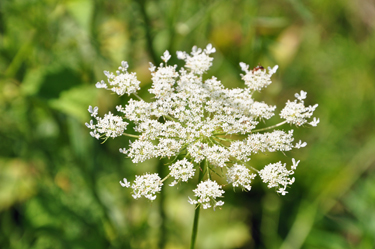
(59, 187)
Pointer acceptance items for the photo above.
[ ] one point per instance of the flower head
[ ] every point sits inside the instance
(199, 61)
(207, 192)
(109, 126)
(257, 78)
(239, 175)
(199, 124)
(147, 185)
(122, 82)
(181, 170)
(277, 175)
(297, 113)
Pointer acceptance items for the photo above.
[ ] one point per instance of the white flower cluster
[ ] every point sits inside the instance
(276, 174)
(199, 62)
(257, 78)
(207, 192)
(108, 126)
(257, 142)
(181, 170)
(239, 175)
(121, 83)
(200, 125)
(296, 113)
(147, 185)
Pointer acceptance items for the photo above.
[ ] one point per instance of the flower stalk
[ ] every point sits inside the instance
(194, 232)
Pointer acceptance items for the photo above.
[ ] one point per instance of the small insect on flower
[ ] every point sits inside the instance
(259, 67)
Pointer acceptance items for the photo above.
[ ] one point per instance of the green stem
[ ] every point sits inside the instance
(130, 135)
(163, 216)
(147, 26)
(223, 139)
(268, 128)
(169, 118)
(243, 163)
(197, 209)
(256, 130)
(20, 56)
(136, 95)
(165, 178)
(195, 227)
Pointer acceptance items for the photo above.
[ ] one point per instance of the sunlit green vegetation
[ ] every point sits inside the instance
(59, 187)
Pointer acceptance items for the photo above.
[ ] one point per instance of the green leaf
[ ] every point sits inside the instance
(75, 101)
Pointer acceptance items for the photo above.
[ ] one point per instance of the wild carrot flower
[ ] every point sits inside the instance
(191, 121)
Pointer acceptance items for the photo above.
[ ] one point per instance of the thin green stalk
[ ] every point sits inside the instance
(268, 128)
(136, 95)
(195, 227)
(223, 139)
(256, 130)
(197, 209)
(147, 26)
(163, 228)
(130, 135)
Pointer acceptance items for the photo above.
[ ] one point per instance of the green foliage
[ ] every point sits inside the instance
(59, 187)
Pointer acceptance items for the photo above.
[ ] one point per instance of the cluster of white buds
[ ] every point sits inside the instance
(121, 83)
(108, 126)
(192, 120)
(183, 170)
(297, 113)
(239, 175)
(207, 191)
(276, 174)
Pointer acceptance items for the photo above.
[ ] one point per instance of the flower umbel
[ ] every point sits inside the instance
(121, 83)
(147, 185)
(239, 175)
(276, 175)
(192, 121)
(207, 192)
(181, 170)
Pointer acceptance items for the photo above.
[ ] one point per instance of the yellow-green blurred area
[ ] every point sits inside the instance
(59, 187)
